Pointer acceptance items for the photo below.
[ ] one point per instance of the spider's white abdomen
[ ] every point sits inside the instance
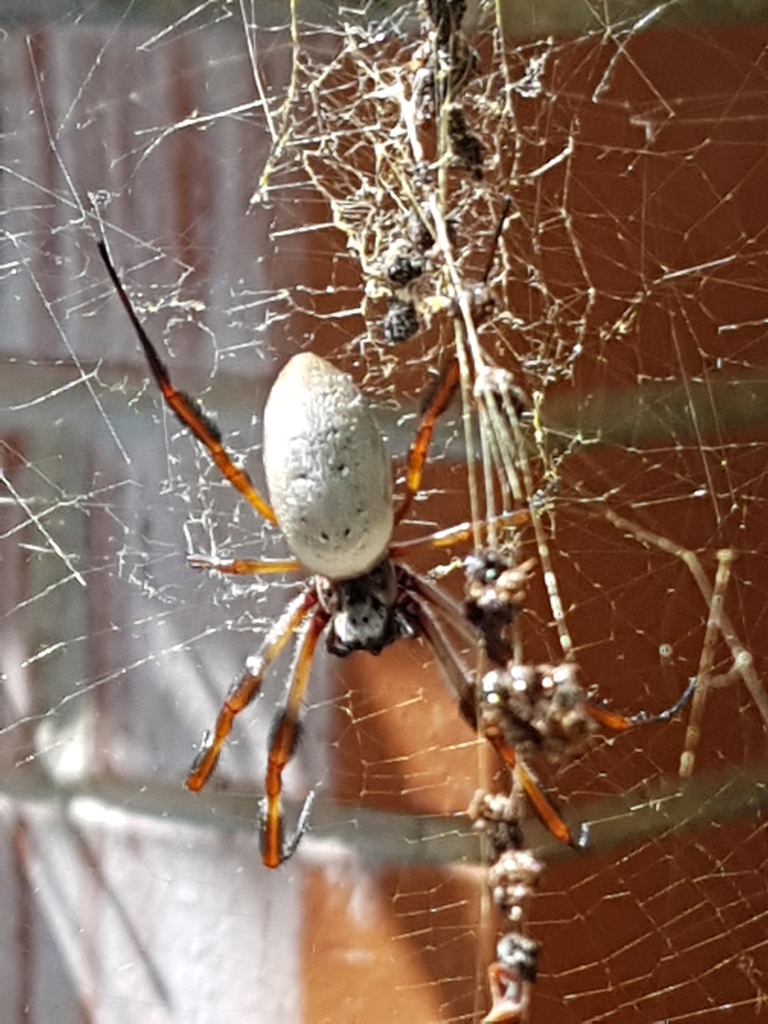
(327, 470)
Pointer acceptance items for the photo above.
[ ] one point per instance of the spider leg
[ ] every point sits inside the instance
(541, 804)
(438, 401)
(452, 671)
(436, 599)
(243, 567)
(620, 723)
(446, 386)
(285, 735)
(464, 693)
(187, 409)
(462, 532)
(244, 691)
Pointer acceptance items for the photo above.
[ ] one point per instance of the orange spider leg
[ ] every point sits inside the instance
(620, 723)
(446, 386)
(243, 692)
(284, 738)
(546, 812)
(187, 409)
(460, 533)
(244, 567)
(465, 697)
(609, 719)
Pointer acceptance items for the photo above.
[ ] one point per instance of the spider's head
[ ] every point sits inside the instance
(363, 610)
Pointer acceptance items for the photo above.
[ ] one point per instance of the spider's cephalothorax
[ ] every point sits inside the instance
(365, 614)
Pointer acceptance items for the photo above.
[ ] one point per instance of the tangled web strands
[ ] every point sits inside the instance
(259, 182)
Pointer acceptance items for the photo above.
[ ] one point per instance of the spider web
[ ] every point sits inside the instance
(253, 168)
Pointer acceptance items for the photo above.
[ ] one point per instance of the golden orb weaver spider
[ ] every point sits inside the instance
(330, 485)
